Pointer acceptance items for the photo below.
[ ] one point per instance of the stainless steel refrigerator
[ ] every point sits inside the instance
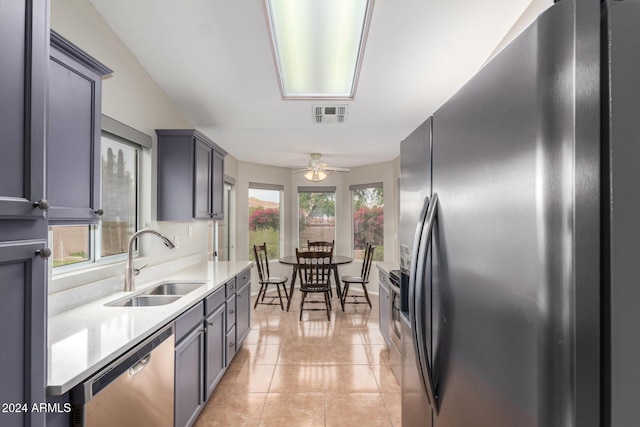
(507, 321)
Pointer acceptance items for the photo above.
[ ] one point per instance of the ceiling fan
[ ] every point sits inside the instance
(318, 170)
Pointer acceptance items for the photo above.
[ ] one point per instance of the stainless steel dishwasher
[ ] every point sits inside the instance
(135, 390)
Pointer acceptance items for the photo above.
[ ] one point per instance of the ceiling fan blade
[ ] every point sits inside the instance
(301, 170)
(336, 169)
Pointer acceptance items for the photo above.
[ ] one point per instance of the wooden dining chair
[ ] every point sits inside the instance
(314, 270)
(265, 279)
(320, 245)
(362, 279)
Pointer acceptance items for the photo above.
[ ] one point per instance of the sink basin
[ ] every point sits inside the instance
(174, 288)
(146, 301)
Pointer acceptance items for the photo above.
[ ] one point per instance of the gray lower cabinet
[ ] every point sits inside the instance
(189, 366)
(73, 134)
(190, 176)
(238, 312)
(215, 340)
(243, 312)
(22, 331)
(231, 322)
(385, 306)
(24, 33)
(189, 361)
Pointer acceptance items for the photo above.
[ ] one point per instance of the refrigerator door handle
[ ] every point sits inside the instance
(418, 303)
(413, 273)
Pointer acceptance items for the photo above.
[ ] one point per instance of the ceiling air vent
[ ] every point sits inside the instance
(329, 113)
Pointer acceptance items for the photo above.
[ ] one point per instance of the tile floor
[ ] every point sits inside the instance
(308, 373)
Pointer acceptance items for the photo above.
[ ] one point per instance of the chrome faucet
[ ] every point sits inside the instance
(130, 272)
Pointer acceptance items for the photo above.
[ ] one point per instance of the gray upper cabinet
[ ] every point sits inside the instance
(190, 176)
(23, 84)
(73, 134)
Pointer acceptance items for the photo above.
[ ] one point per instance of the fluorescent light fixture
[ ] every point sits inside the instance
(318, 45)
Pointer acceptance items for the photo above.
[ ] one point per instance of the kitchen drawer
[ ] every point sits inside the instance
(213, 301)
(189, 320)
(231, 287)
(231, 312)
(231, 345)
(243, 278)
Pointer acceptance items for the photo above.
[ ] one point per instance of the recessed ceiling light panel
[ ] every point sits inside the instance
(318, 45)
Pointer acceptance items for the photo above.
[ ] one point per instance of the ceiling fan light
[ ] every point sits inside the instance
(316, 175)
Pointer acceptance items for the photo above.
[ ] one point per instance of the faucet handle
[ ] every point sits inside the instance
(136, 271)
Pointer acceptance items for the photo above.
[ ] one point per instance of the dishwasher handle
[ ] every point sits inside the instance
(132, 362)
(139, 366)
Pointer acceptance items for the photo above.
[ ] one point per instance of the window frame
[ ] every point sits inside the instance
(280, 190)
(317, 189)
(353, 188)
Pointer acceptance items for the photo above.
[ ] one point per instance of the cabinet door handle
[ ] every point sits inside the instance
(231, 311)
(43, 204)
(99, 212)
(232, 344)
(44, 253)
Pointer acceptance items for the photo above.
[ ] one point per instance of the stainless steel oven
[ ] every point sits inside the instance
(395, 324)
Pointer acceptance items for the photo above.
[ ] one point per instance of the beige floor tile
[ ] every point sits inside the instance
(372, 336)
(308, 373)
(385, 378)
(224, 410)
(394, 408)
(297, 379)
(345, 335)
(349, 379)
(304, 334)
(352, 321)
(293, 410)
(378, 354)
(269, 321)
(245, 378)
(356, 410)
(264, 336)
(345, 354)
(300, 354)
(257, 354)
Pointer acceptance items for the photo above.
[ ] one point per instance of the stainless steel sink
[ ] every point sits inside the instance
(146, 301)
(174, 288)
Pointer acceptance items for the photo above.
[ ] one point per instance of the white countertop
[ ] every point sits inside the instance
(85, 339)
(387, 266)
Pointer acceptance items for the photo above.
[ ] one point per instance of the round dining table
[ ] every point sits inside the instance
(335, 262)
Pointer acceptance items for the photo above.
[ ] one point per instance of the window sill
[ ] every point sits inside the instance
(91, 272)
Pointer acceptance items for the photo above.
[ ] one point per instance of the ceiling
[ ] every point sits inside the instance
(213, 58)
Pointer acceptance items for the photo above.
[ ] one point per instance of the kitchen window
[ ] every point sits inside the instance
(81, 244)
(368, 219)
(265, 217)
(317, 215)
